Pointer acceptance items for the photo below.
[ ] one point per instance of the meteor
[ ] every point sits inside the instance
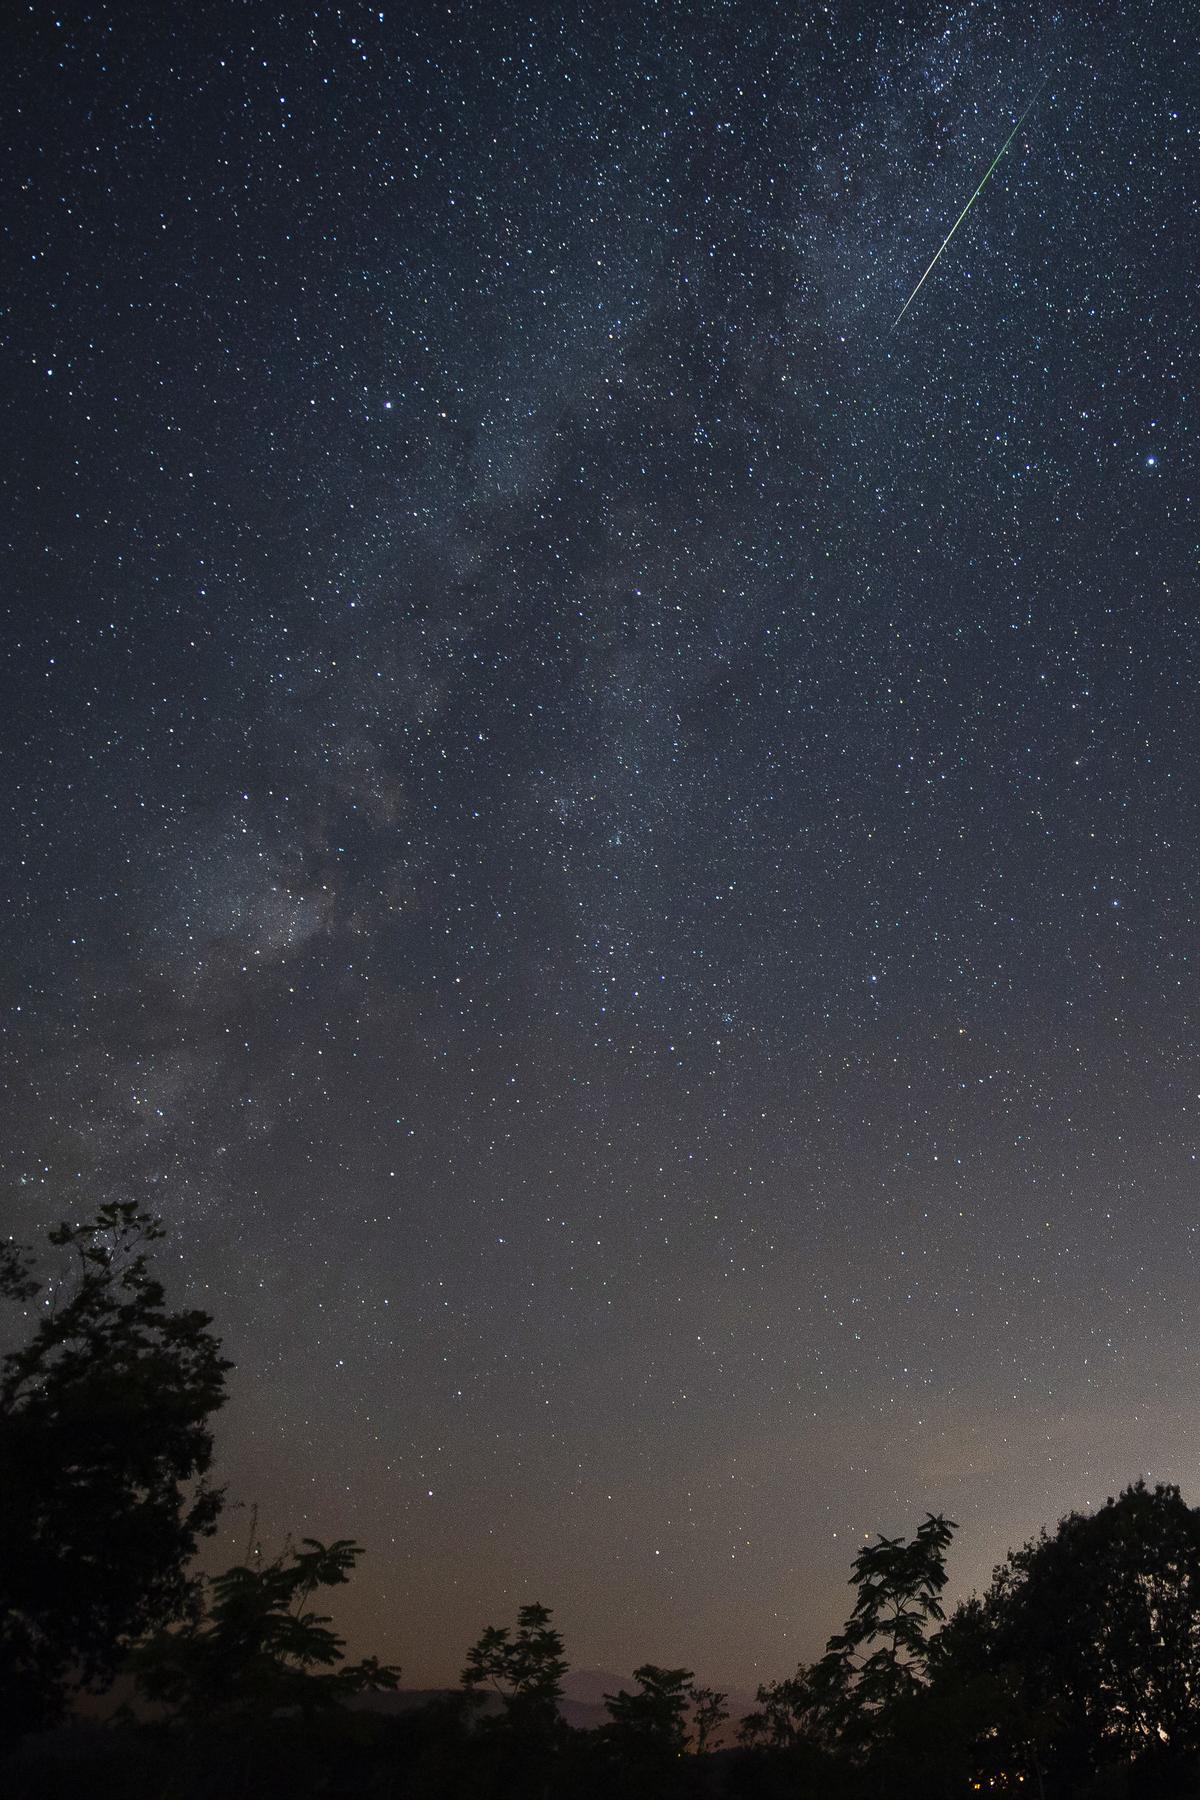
(970, 203)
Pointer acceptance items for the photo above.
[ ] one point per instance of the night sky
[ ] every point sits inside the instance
(614, 842)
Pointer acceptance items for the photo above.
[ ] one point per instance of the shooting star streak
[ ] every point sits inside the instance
(970, 203)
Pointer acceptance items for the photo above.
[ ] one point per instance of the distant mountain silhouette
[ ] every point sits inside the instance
(584, 1715)
(582, 1703)
(587, 1687)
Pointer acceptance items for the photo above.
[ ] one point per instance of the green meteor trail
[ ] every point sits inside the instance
(970, 203)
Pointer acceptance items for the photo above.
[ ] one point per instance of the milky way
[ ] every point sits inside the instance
(613, 844)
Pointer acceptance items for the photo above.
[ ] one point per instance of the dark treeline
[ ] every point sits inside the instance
(1076, 1676)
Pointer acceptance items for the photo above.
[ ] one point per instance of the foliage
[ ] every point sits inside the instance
(801, 1709)
(257, 1648)
(104, 1450)
(851, 1699)
(709, 1713)
(1094, 1635)
(525, 1668)
(898, 1585)
(657, 1715)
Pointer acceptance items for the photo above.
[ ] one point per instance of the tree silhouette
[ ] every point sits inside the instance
(801, 1709)
(849, 1701)
(1094, 1633)
(255, 1648)
(657, 1716)
(709, 1713)
(526, 1668)
(520, 1751)
(104, 1449)
(880, 1657)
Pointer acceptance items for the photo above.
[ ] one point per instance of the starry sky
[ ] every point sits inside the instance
(611, 839)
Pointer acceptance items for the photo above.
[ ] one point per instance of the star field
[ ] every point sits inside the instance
(613, 841)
